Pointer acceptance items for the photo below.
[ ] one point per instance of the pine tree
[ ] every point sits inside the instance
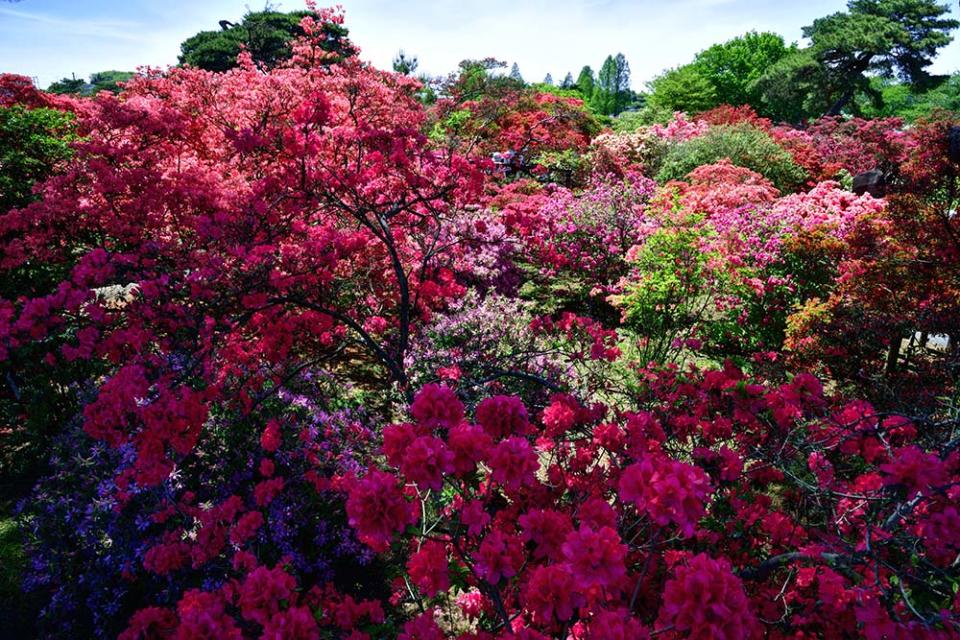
(548, 79)
(585, 82)
(568, 82)
(515, 73)
(404, 64)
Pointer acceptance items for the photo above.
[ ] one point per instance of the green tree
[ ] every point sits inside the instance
(888, 38)
(265, 34)
(794, 89)
(733, 67)
(32, 143)
(899, 99)
(682, 89)
(99, 81)
(611, 93)
(586, 82)
(548, 79)
(404, 64)
(72, 84)
(568, 82)
(475, 79)
(515, 73)
(108, 80)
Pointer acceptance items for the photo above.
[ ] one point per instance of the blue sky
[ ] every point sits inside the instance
(49, 39)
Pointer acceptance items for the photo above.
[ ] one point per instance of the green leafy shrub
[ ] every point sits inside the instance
(670, 291)
(32, 142)
(745, 146)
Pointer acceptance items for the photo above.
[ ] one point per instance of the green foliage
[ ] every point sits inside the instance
(67, 85)
(734, 66)
(669, 292)
(32, 142)
(586, 82)
(475, 79)
(11, 555)
(404, 64)
(99, 81)
(792, 90)
(18, 609)
(744, 145)
(899, 99)
(265, 34)
(566, 167)
(890, 38)
(452, 125)
(611, 92)
(108, 80)
(555, 90)
(630, 121)
(725, 73)
(682, 89)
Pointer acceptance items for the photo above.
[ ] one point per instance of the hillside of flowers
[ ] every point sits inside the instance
(292, 353)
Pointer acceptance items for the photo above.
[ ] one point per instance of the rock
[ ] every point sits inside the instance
(872, 182)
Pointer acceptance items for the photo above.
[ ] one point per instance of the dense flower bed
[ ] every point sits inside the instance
(304, 363)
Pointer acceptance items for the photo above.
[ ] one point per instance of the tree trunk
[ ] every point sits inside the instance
(893, 356)
(861, 65)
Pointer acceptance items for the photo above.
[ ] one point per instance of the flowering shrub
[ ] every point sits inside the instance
(615, 153)
(189, 196)
(691, 514)
(680, 128)
(896, 286)
(571, 247)
(103, 548)
(529, 125)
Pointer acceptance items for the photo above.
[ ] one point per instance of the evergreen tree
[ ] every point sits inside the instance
(515, 73)
(568, 82)
(404, 64)
(72, 84)
(586, 82)
(265, 34)
(622, 83)
(611, 94)
(887, 38)
(548, 79)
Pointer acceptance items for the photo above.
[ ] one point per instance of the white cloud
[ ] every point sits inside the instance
(94, 28)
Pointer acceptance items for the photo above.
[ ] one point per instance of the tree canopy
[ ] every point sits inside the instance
(407, 65)
(725, 73)
(887, 38)
(99, 81)
(611, 92)
(682, 89)
(266, 35)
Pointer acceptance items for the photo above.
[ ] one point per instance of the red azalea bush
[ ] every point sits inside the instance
(896, 287)
(201, 241)
(718, 505)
